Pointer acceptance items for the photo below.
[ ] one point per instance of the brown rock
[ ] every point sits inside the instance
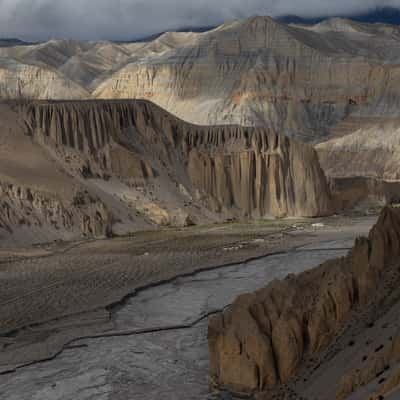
(252, 170)
(144, 167)
(302, 314)
(376, 365)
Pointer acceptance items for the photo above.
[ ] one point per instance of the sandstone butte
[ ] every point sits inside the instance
(262, 339)
(65, 164)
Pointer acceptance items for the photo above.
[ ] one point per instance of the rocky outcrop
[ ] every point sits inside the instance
(139, 167)
(262, 338)
(363, 193)
(251, 172)
(257, 171)
(22, 206)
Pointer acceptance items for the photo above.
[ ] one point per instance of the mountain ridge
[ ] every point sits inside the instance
(313, 83)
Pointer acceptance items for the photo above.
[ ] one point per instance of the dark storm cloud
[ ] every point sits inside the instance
(118, 19)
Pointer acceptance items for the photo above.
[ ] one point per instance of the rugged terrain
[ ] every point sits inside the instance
(128, 316)
(306, 81)
(293, 336)
(334, 82)
(103, 167)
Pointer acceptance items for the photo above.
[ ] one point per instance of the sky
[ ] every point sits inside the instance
(130, 19)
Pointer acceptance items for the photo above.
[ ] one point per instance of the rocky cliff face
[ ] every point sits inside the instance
(254, 172)
(261, 340)
(376, 365)
(36, 82)
(137, 166)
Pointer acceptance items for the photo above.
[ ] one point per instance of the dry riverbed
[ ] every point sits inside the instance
(52, 295)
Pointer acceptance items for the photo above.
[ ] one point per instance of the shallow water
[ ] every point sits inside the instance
(168, 365)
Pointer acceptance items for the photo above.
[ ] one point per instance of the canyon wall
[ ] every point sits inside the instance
(252, 172)
(261, 340)
(335, 82)
(103, 167)
(257, 171)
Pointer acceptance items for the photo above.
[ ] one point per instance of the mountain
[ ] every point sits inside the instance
(308, 82)
(315, 83)
(11, 42)
(383, 15)
(303, 81)
(371, 151)
(92, 168)
(150, 38)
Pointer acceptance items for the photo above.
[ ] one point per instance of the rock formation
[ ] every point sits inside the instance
(304, 81)
(261, 340)
(253, 170)
(134, 155)
(23, 206)
(334, 82)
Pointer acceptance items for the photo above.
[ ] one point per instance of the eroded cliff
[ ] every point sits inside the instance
(253, 171)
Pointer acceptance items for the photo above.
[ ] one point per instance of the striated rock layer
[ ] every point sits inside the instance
(261, 340)
(249, 171)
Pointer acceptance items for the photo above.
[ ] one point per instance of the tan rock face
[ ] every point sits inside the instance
(264, 73)
(137, 167)
(256, 171)
(300, 315)
(37, 82)
(251, 171)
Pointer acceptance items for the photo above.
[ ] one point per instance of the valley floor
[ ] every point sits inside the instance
(52, 296)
